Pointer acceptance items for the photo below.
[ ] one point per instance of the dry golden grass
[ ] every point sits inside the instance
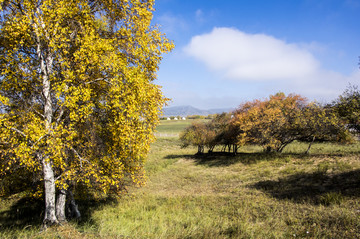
(250, 195)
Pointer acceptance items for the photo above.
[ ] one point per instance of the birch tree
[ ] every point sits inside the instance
(78, 101)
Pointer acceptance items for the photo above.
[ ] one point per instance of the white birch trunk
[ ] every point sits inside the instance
(50, 190)
(46, 61)
(60, 205)
(49, 177)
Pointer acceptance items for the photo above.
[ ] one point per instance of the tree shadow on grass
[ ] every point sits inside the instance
(209, 159)
(315, 188)
(28, 212)
(23, 213)
(223, 159)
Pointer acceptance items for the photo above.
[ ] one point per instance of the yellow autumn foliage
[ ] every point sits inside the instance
(77, 90)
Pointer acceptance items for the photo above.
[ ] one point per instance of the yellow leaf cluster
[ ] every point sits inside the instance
(77, 88)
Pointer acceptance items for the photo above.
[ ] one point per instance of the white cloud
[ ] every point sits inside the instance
(244, 56)
(289, 67)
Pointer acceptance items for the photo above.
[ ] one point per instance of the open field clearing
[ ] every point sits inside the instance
(250, 195)
(172, 128)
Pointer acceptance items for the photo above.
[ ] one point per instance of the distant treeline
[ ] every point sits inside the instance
(277, 121)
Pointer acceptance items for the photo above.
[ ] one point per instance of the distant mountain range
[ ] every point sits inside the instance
(189, 110)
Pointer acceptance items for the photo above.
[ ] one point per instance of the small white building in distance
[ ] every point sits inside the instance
(175, 118)
(168, 118)
(183, 118)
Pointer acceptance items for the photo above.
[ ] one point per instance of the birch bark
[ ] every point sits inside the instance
(49, 180)
(49, 177)
(46, 60)
(60, 205)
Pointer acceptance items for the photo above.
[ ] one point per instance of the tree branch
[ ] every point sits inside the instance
(99, 79)
(19, 132)
(60, 115)
(37, 141)
(38, 113)
(58, 177)
(81, 159)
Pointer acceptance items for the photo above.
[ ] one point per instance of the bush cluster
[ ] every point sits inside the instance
(272, 123)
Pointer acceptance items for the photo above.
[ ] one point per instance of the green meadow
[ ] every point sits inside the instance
(248, 195)
(171, 128)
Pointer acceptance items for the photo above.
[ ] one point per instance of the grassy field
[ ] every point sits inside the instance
(250, 195)
(171, 128)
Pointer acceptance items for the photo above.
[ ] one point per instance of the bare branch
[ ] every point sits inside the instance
(81, 158)
(99, 79)
(57, 178)
(19, 132)
(60, 115)
(25, 136)
(37, 141)
(38, 113)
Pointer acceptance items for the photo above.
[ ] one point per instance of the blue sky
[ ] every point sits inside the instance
(231, 51)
